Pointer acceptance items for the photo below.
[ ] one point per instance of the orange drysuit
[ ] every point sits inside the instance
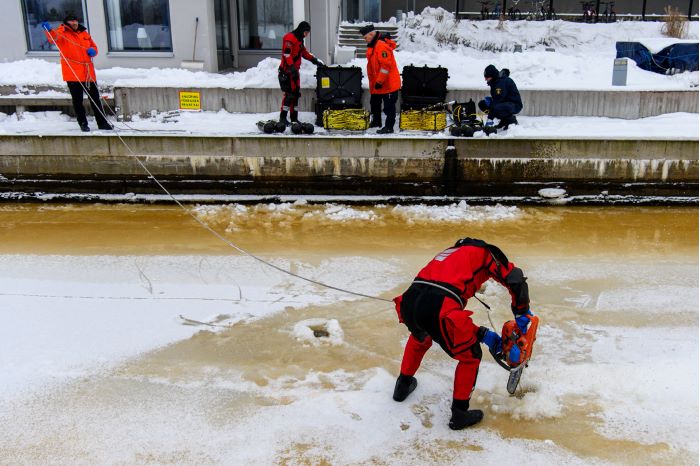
(381, 66)
(73, 46)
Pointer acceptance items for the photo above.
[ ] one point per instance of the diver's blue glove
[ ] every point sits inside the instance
(488, 123)
(46, 25)
(91, 52)
(487, 99)
(522, 320)
(514, 354)
(490, 339)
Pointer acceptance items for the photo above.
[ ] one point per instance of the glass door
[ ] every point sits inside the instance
(362, 10)
(222, 20)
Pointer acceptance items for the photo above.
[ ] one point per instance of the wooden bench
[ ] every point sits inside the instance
(22, 103)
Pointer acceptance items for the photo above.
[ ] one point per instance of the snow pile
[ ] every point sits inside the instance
(460, 212)
(582, 58)
(236, 217)
(318, 331)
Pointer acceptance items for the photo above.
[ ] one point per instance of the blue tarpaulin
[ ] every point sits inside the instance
(678, 57)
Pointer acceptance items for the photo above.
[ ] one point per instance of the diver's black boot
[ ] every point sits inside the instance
(405, 384)
(462, 416)
(294, 116)
(283, 118)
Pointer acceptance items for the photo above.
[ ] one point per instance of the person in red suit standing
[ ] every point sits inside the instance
(433, 309)
(293, 51)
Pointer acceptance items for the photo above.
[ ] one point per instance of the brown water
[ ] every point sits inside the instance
(579, 236)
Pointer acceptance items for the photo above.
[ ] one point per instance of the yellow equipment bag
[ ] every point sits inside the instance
(353, 119)
(423, 120)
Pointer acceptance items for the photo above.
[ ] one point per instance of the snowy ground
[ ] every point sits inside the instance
(99, 369)
(582, 58)
(222, 123)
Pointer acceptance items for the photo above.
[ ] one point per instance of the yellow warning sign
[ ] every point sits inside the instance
(325, 83)
(190, 101)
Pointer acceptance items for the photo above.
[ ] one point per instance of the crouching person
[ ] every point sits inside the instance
(504, 102)
(77, 50)
(433, 310)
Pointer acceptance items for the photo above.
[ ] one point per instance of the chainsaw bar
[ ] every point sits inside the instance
(514, 379)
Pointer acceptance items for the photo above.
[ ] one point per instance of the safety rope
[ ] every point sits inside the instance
(199, 221)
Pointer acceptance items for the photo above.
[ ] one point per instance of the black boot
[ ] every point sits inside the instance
(405, 384)
(385, 130)
(283, 118)
(507, 121)
(85, 128)
(294, 116)
(462, 416)
(375, 123)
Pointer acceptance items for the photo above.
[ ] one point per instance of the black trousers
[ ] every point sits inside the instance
(502, 110)
(389, 101)
(77, 92)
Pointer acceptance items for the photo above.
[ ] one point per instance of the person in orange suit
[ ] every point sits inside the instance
(384, 78)
(77, 49)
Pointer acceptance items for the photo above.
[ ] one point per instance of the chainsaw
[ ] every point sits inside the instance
(512, 336)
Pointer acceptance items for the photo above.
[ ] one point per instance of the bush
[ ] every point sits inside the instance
(675, 24)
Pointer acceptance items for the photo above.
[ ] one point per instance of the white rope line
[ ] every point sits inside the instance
(203, 224)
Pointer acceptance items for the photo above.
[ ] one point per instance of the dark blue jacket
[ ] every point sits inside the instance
(504, 90)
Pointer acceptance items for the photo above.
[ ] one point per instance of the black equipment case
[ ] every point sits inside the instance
(423, 86)
(337, 88)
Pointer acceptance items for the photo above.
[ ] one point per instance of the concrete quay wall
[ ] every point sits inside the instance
(628, 104)
(348, 166)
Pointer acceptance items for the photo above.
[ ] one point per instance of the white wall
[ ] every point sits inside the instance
(13, 39)
(182, 20)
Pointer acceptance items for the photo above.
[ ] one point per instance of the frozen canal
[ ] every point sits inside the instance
(97, 367)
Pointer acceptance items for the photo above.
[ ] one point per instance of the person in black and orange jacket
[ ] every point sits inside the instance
(77, 50)
(384, 78)
(433, 309)
(293, 51)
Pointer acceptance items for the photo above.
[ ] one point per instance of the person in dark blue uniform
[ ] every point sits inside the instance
(504, 101)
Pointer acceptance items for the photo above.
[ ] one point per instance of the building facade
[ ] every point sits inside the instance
(221, 34)
(217, 34)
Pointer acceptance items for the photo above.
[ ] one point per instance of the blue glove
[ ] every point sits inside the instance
(91, 52)
(523, 321)
(492, 340)
(489, 123)
(46, 25)
(514, 353)
(487, 99)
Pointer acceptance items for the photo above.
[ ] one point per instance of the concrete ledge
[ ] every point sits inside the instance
(626, 104)
(355, 165)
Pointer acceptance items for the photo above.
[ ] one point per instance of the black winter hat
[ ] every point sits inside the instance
(491, 72)
(303, 27)
(364, 30)
(70, 17)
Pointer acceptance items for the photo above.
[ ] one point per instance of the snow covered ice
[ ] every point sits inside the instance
(94, 353)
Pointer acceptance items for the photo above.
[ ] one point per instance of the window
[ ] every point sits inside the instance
(263, 23)
(138, 25)
(53, 11)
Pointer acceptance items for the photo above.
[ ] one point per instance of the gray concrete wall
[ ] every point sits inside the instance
(494, 161)
(614, 104)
